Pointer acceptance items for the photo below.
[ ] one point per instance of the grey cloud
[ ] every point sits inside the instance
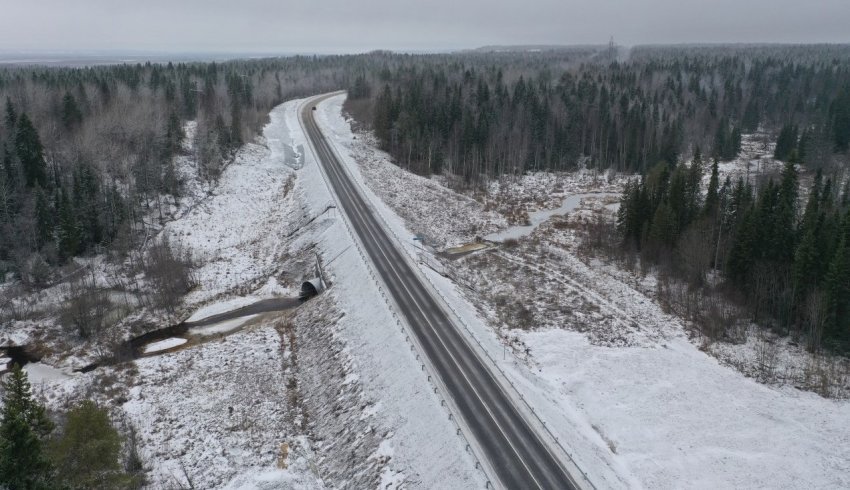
(347, 26)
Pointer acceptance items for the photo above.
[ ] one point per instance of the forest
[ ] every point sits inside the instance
(88, 153)
(486, 115)
(669, 115)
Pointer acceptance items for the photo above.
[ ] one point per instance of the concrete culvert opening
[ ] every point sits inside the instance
(311, 288)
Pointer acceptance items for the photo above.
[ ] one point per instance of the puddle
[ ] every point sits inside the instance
(536, 218)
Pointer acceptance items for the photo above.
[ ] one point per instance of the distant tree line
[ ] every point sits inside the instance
(482, 115)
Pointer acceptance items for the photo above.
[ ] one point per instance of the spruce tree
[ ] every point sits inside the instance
(838, 295)
(43, 218)
(69, 233)
(88, 453)
(712, 197)
(30, 153)
(71, 114)
(9, 168)
(840, 120)
(786, 211)
(785, 142)
(11, 116)
(23, 464)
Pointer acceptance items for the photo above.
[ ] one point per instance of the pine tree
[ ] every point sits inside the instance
(22, 430)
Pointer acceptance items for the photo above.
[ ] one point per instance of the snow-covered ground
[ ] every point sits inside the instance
(617, 379)
(536, 218)
(331, 394)
(164, 344)
(327, 395)
(419, 441)
(216, 412)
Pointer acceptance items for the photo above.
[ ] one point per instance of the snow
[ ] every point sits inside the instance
(222, 307)
(38, 372)
(218, 414)
(165, 344)
(613, 376)
(238, 233)
(401, 190)
(396, 393)
(223, 327)
(674, 414)
(273, 480)
(218, 410)
(636, 402)
(536, 218)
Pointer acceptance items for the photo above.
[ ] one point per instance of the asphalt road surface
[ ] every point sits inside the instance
(516, 453)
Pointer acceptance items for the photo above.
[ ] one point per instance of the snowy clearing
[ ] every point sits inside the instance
(536, 218)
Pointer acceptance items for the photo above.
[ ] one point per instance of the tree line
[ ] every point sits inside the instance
(88, 155)
(669, 114)
(482, 115)
(787, 262)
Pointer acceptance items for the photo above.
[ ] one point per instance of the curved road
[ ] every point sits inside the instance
(514, 450)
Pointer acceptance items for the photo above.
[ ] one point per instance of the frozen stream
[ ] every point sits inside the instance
(568, 205)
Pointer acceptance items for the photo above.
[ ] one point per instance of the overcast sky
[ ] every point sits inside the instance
(361, 25)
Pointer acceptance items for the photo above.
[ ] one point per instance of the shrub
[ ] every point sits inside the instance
(169, 270)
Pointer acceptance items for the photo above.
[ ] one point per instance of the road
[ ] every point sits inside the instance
(514, 450)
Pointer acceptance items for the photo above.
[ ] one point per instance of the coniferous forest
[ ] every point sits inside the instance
(88, 153)
(773, 246)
